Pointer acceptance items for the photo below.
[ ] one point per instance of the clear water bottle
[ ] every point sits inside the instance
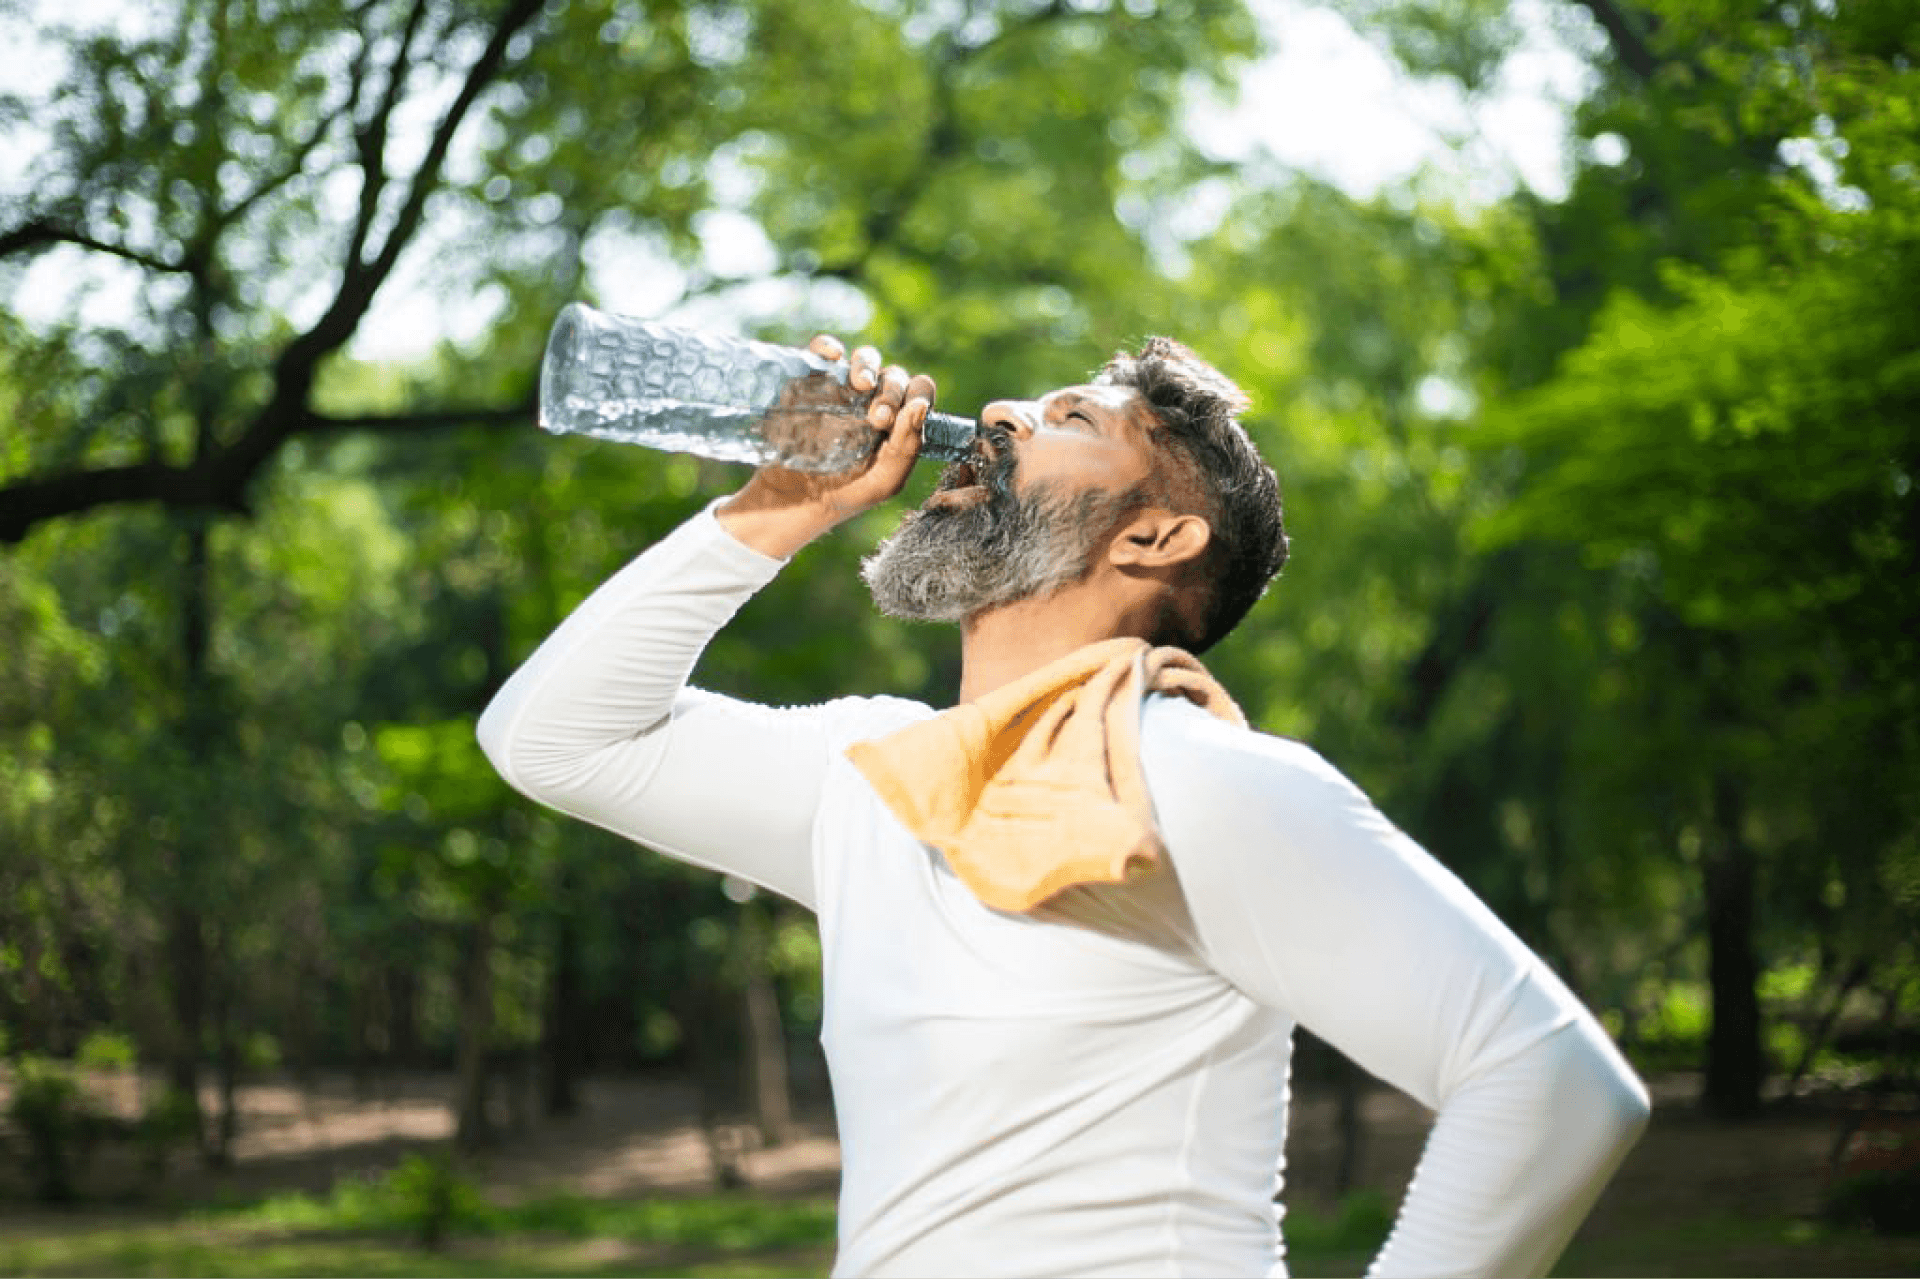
(640, 382)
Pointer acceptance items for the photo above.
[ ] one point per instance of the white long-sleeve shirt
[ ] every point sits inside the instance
(1099, 1088)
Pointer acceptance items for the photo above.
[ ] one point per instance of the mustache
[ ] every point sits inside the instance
(994, 471)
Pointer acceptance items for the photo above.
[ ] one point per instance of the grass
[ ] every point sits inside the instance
(1720, 1244)
(174, 1251)
(372, 1227)
(383, 1227)
(717, 1221)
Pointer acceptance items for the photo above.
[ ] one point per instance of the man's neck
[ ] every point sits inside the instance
(1011, 642)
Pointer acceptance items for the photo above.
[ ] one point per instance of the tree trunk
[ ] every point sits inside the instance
(403, 1017)
(360, 1033)
(187, 973)
(226, 1125)
(186, 925)
(1736, 1064)
(767, 1056)
(476, 1030)
(716, 1077)
(562, 1032)
(766, 1037)
(1353, 1128)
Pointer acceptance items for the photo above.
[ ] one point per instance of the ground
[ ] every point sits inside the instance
(1695, 1197)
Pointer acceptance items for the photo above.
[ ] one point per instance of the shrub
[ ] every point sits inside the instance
(1878, 1181)
(429, 1194)
(172, 1120)
(106, 1050)
(1359, 1225)
(55, 1124)
(260, 1051)
(1885, 1201)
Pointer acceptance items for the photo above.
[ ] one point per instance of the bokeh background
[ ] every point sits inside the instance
(1584, 335)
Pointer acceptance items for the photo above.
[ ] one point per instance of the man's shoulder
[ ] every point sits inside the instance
(1176, 732)
(856, 718)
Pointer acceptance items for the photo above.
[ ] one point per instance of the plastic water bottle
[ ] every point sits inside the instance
(736, 400)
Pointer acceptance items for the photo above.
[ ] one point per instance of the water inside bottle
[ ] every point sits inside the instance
(724, 433)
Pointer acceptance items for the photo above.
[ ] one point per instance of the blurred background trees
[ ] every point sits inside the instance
(1605, 580)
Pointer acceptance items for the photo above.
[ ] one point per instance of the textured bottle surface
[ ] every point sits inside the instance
(732, 399)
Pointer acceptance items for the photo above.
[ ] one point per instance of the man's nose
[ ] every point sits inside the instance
(1016, 417)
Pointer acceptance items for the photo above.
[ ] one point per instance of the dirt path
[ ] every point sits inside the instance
(632, 1136)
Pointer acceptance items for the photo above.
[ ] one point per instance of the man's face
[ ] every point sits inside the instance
(1055, 477)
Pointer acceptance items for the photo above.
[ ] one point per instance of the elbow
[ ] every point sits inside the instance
(494, 733)
(1598, 1083)
(1631, 1108)
(551, 762)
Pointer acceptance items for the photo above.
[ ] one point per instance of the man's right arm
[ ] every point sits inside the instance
(599, 722)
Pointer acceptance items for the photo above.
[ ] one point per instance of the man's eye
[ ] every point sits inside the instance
(1077, 416)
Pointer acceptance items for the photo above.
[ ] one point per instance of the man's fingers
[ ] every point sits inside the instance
(865, 373)
(894, 459)
(828, 347)
(888, 396)
(913, 418)
(893, 383)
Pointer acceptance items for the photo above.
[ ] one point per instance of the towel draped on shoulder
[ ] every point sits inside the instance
(1037, 786)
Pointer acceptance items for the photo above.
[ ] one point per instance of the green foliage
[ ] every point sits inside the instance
(171, 1123)
(1682, 639)
(1602, 507)
(54, 1121)
(347, 1233)
(106, 1050)
(1673, 1033)
(427, 1197)
(394, 1201)
(1357, 1227)
(568, 1235)
(432, 1197)
(1886, 1201)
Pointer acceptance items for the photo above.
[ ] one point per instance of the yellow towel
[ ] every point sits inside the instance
(1037, 786)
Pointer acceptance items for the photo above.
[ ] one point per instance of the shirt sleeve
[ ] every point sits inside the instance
(1309, 901)
(599, 722)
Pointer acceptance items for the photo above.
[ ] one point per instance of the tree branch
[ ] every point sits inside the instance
(25, 503)
(296, 162)
(370, 140)
(218, 478)
(518, 14)
(40, 233)
(425, 420)
(1624, 33)
(214, 482)
(943, 142)
(360, 279)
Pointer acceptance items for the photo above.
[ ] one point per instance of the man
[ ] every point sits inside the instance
(1090, 1078)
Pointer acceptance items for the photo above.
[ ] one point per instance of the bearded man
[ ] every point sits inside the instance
(1069, 924)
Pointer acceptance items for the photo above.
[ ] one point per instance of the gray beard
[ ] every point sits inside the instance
(946, 564)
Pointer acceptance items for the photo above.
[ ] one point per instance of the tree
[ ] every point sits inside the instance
(1706, 409)
(306, 572)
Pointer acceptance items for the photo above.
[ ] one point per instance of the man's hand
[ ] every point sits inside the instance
(780, 510)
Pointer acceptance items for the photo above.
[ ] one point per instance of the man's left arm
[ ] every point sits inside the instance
(1311, 902)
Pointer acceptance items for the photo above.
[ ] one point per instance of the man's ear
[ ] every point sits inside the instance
(1160, 539)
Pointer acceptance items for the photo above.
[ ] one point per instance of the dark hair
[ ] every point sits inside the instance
(1197, 408)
